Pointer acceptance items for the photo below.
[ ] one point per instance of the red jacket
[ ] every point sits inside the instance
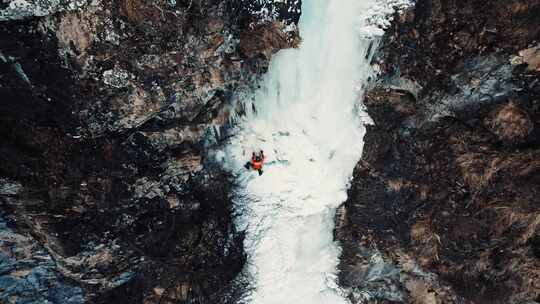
(257, 164)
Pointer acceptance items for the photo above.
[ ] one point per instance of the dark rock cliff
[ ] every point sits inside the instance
(105, 193)
(444, 206)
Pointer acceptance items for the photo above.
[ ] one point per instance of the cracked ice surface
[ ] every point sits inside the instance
(308, 120)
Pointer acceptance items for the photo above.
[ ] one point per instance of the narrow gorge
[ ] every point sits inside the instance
(401, 143)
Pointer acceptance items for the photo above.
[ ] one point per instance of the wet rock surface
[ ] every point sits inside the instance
(444, 205)
(105, 192)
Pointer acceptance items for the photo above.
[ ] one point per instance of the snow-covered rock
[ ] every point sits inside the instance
(20, 9)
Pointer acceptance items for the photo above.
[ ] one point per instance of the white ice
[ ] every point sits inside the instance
(308, 120)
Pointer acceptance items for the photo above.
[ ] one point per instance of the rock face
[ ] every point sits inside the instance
(20, 9)
(105, 193)
(444, 206)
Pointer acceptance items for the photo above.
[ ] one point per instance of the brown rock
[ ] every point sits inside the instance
(531, 56)
(420, 292)
(263, 40)
(77, 30)
(101, 259)
(136, 110)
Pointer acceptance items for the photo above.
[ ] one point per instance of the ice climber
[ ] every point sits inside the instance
(256, 163)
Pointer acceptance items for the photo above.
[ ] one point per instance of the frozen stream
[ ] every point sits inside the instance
(308, 121)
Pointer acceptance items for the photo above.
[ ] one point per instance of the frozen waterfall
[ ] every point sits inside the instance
(308, 120)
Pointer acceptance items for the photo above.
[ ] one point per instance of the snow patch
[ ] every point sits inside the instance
(116, 77)
(20, 9)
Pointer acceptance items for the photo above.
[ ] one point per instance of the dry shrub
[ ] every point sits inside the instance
(509, 122)
(425, 242)
(424, 190)
(294, 38)
(528, 168)
(478, 169)
(395, 184)
(508, 217)
(132, 10)
(519, 8)
(483, 263)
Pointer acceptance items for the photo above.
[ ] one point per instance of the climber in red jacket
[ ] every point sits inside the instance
(256, 163)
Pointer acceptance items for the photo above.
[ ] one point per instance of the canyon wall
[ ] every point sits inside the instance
(444, 206)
